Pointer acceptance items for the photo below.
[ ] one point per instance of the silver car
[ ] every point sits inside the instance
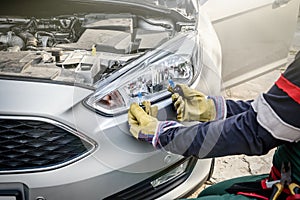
(69, 69)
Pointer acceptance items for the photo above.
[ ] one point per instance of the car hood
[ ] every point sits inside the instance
(50, 8)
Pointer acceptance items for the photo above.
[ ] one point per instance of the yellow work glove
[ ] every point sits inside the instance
(142, 125)
(192, 105)
(150, 110)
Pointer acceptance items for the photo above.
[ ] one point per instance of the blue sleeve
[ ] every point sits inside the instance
(238, 134)
(237, 107)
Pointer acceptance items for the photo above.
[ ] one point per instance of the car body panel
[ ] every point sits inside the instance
(255, 36)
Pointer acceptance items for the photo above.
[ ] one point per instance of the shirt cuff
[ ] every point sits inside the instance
(162, 127)
(220, 105)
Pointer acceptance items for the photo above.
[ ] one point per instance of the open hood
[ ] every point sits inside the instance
(85, 41)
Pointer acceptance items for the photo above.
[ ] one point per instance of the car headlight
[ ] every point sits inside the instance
(147, 78)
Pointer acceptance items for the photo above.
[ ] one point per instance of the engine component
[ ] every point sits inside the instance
(89, 67)
(11, 40)
(57, 55)
(84, 64)
(121, 22)
(151, 39)
(115, 33)
(81, 48)
(39, 65)
(105, 40)
(36, 34)
(46, 39)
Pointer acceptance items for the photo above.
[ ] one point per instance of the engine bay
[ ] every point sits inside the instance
(79, 48)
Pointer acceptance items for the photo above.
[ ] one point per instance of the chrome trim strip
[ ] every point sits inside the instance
(57, 124)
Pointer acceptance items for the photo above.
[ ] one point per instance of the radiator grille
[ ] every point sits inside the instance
(36, 145)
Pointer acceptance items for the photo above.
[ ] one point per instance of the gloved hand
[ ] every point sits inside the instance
(150, 110)
(142, 125)
(192, 105)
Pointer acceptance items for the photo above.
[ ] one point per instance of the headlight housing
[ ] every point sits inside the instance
(147, 78)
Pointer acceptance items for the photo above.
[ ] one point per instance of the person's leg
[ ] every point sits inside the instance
(219, 188)
(223, 197)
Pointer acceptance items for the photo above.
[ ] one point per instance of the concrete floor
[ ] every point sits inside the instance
(235, 166)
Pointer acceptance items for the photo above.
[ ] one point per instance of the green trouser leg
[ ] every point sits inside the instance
(217, 191)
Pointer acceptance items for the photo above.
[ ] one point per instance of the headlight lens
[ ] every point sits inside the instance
(155, 79)
(148, 77)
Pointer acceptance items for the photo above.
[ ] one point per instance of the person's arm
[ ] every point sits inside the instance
(237, 107)
(238, 134)
(227, 108)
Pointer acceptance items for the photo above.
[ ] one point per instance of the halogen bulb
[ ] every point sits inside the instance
(140, 96)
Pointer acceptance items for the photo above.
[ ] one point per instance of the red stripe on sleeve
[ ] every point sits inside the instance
(290, 88)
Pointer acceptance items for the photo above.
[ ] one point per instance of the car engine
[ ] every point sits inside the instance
(78, 48)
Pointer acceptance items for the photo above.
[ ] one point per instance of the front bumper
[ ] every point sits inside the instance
(117, 163)
(94, 188)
